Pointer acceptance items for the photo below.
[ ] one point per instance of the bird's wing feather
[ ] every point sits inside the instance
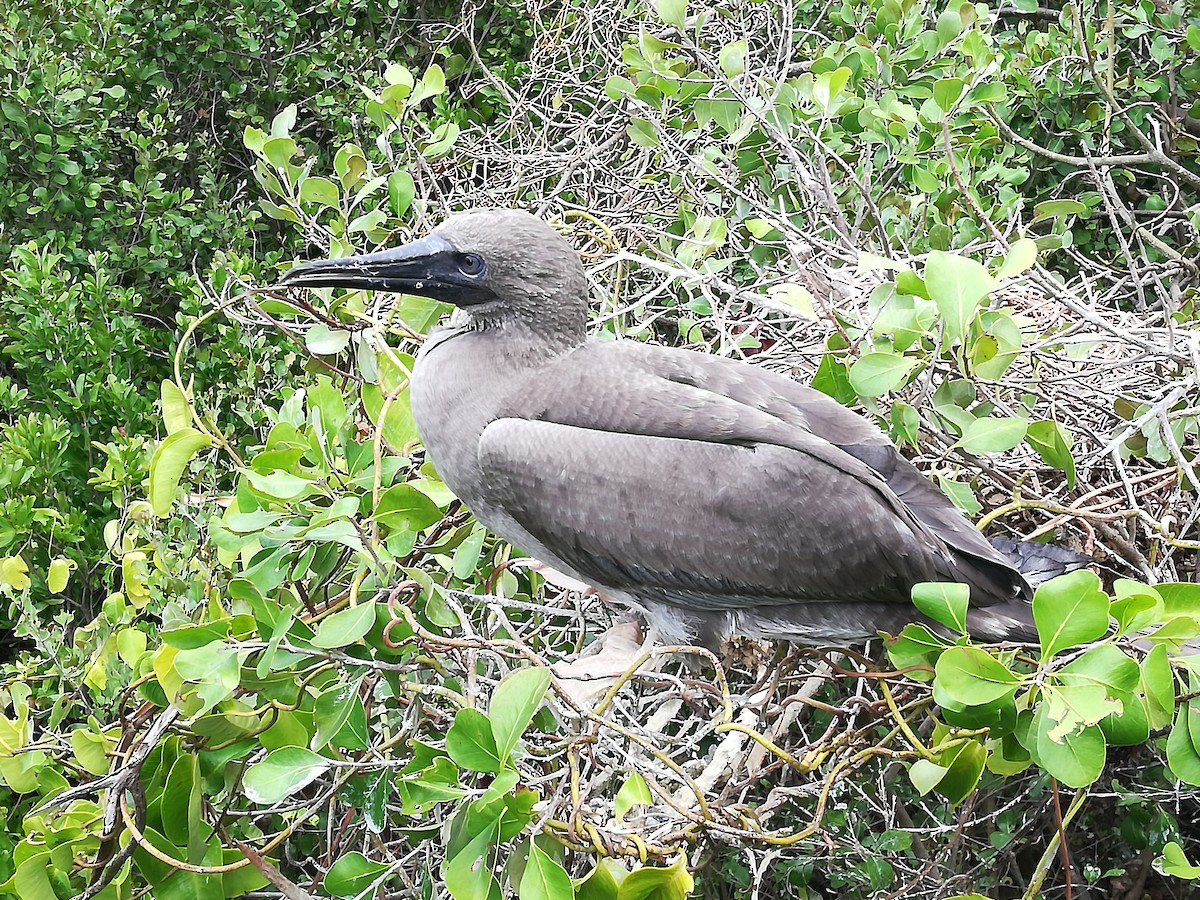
(631, 388)
(710, 525)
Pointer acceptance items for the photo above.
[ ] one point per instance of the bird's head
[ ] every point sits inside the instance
(501, 266)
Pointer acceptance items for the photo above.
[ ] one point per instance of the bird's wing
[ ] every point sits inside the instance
(840, 460)
(705, 524)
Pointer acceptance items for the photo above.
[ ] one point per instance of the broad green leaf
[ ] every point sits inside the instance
(1173, 861)
(880, 372)
(634, 791)
(673, 12)
(1180, 598)
(284, 121)
(352, 874)
(925, 775)
(964, 765)
(31, 880)
(59, 574)
(1103, 665)
(543, 878)
(367, 221)
(468, 876)
(1136, 605)
(602, 883)
(282, 773)
(674, 882)
(404, 508)
(91, 750)
(170, 458)
(471, 744)
(1053, 444)
(323, 341)
(1057, 209)
(513, 704)
(732, 58)
(1183, 758)
(1021, 255)
(177, 412)
(960, 494)
(345, 627)
(828, 85)
(988, 435)
(642, 132)
(971, 676)
(401, 191)
(279, 151)
(944, 602)
(320, 190)
(332, 710)
(1158, 683)
(278, 484)
(916, 645)
(957, 285)
(1070, 610)
(946, 92)
(1077, 759)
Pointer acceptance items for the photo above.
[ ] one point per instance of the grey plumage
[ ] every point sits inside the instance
(720, 498)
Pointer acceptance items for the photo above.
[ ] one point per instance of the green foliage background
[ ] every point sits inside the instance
(241, 645)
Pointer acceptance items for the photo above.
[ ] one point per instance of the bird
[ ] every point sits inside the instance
(717, 498)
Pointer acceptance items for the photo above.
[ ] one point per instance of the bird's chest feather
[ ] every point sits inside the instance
(460, 382)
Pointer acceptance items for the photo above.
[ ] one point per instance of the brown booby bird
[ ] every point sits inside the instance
(717, 497)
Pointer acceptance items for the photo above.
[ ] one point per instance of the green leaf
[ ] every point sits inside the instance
(332, 710)
(284, 121)
(345, 627)
(944, 602)
(170, 458)
(543, 878)
(468, 875)
(673, 12)
(282, 773)
(916, 645)
(1136, 605)
(988, 435)
(1058, 209)
(403, 508)
(602, 883)
(1159, 686)
(957, 285)
(367, 221)
(925, 775)
(471, 744)
(513, 704)
(177, 412)
(278, 484)
(964, 765)
(633, 792)
(1183, 758)
(1070, 610)
(1077, 759)
(642, 132)
(1053, 444)
(946, 92)
(323, 341)
(732, 58)
(647, 883)
(880, 372)
(1106, 666)
(401, 191)
(828, 85)
(59, 574)
(1173, 862)
(971, 676)
(279, 151)
(320, 190)
(352, 874)
(1021, 255)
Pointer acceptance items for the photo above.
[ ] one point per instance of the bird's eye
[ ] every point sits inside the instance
(470, 264)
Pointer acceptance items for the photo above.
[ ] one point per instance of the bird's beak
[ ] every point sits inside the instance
(428, 267)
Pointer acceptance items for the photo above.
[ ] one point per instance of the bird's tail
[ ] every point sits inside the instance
(1039, 562)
